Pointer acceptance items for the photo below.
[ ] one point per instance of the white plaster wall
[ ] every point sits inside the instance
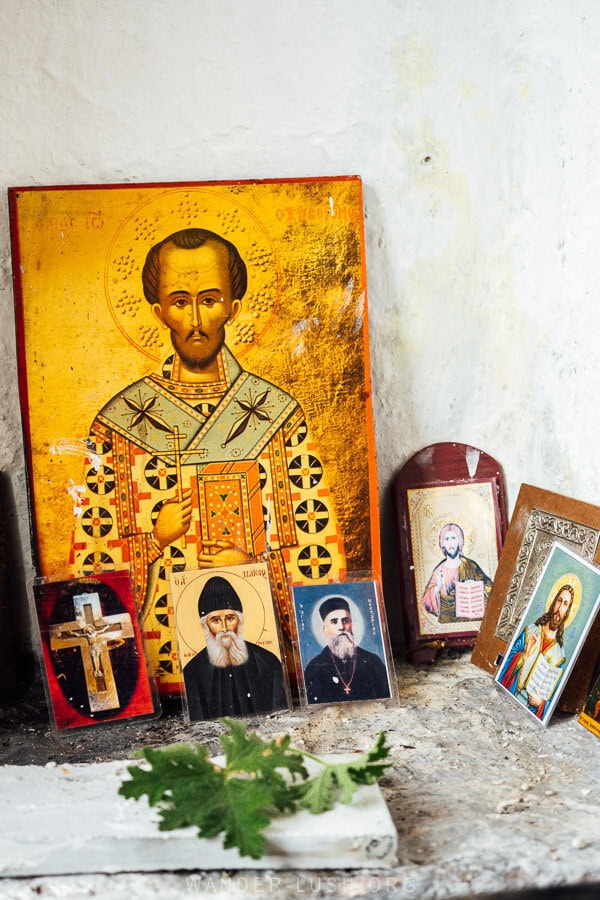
(475, 127)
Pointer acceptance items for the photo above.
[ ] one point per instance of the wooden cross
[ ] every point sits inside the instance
(95, 635)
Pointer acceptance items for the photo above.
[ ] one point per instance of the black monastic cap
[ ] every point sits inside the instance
(217, 593)
(332, 603)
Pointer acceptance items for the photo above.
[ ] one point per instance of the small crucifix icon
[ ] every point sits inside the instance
(95, 635)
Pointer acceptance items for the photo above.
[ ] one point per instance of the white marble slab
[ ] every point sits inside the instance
(68, 819)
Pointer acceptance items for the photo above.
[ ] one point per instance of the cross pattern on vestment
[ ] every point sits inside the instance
(95, 635)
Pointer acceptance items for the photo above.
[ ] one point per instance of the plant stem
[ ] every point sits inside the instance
(314, 758)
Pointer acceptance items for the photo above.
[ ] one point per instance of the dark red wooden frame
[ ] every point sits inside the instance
(435, 466)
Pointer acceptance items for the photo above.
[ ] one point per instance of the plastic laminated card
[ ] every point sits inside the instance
(229, 646)
(551, 633)
(205, 398)
(93, 653)
(343, 647)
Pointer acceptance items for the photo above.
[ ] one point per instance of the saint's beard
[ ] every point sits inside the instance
(556, 620)
(197, 357)
(227, 648)
(343, 645)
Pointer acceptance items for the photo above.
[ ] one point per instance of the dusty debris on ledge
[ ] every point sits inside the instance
(484, 800)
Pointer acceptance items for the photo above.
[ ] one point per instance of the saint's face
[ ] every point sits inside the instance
(222, 620)
(195, 301)
(560, 608)
(450, 544)
(337, 622)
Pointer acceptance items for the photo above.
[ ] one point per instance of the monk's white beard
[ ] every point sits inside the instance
(228, 648)
(343, 645)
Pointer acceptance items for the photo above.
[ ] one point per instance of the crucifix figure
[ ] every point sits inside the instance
(95, 635)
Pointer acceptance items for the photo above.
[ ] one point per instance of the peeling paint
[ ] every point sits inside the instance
(77, 493)
(472, 460)
(345, 302)
(359, 311)
(300, 328)
(76, 447)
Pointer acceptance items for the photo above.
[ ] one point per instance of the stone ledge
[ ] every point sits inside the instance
(68, 819)
(483, 799)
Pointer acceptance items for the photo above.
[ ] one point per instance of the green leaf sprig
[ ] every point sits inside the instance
(241, 797)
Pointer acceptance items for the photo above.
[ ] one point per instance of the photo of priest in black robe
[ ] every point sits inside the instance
(343, 670)
(230, 676)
